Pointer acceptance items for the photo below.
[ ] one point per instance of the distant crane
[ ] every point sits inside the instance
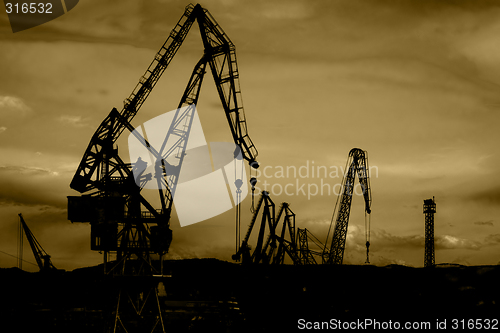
(358, 163)
(305, 254)
(270, 249)
(41, 256)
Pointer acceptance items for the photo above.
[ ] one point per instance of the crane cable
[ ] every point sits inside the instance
(238, 182)
(253, 181)
(367, 235)
(29, 262)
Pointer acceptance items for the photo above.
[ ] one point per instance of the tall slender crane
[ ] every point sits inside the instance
(122, 220)
(358, 163)
(41, 256)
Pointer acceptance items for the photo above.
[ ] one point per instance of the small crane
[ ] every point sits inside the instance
(41, 256)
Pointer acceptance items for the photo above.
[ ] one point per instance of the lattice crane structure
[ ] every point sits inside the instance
(122, 221)
(42, 258)
(272, 244)
(358, 164)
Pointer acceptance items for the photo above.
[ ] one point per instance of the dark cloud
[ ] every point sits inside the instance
(32, 186)
(386, 240)
(490, 197)
(488, 223)
(492, 239)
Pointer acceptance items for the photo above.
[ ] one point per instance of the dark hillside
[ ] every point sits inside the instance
(208, 293)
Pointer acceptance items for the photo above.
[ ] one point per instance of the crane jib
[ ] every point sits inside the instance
(223, 64)
(358, 164)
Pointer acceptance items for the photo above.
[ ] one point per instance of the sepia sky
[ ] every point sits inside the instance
(414, 83)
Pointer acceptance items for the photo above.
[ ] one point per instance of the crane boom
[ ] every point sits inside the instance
(42, 258)
(222, 59)
(358, 163)
(90, 161)
(223, 64)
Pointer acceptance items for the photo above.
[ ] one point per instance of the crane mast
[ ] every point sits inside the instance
(358, 164)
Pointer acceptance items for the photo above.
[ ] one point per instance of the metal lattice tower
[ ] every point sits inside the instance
(305, 255)
(429, 211)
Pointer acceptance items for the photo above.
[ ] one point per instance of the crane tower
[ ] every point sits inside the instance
(429, 211)
(357, 162)
(122, 220)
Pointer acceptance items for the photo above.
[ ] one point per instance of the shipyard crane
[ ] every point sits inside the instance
(259, 254)
(121, 218)
(269, 249)
(358, 163)
(277, 254)
(305, 254)
(41, 256)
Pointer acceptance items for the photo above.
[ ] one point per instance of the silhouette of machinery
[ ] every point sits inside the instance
(358, 164)
(122, 220)
(41, 256)
(272, 244)
(272, 249)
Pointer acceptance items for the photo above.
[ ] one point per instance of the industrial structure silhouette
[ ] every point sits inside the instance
(126, 225)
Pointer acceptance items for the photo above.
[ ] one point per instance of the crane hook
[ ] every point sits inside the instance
(367, 252)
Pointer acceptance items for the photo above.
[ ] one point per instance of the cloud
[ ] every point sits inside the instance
(493, 239)
(383, 261)
(13, 105)
(13, 102)
(488, 223)
(28, 171)
(452, 242)
(32, 186)
(388, 240)
(489, 196)
(287, 10)
(3, 129)
(104, 19)
(76, 121)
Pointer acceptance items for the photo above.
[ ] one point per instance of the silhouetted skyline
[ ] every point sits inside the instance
(415, 84)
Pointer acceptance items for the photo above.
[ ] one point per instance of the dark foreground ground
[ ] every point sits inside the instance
(203, 295)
